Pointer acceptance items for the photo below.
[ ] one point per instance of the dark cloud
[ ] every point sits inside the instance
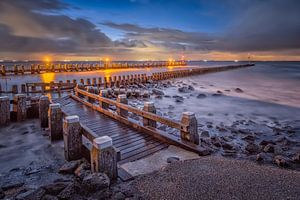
(24, 27)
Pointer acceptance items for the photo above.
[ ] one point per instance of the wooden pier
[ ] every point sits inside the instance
(59, 67)
(115, 81)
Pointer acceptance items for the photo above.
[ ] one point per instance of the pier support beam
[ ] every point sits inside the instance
(43, 110)
(20, 107)
(72, 138)
(189, 118)
(104, 157)
(55, 121)
(122, 99)
(149, 107)
(4, 111)
(104, 93)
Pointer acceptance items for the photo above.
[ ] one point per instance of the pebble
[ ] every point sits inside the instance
(172, 159)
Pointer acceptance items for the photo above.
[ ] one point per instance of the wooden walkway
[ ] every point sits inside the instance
(132, 144)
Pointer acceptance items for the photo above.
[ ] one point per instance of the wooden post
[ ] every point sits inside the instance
(122, 99)
(72, 138)
(4, 110)
(15, 89)
(43, 111)
(104, 157)
(104, 93)
(23, 88)
(20, 107)
(55, 121)
(90, 89)
(149, 107)
(189, 118)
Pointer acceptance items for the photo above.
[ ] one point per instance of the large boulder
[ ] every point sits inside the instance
(96, 181)
(55, 188)
(70, 191)
(69, 167)
(252, 148)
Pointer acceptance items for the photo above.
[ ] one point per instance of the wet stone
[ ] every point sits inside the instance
(70, 191)
(252, 148)
(172, 159)
(55, 188)
(49, 197)
(204, 134)
(118, 196)
(69, 167)
(157, 92)
(96, 181)
(238, 90)
(280, 161)
(269, 148)
(200, 96)
(32, 194)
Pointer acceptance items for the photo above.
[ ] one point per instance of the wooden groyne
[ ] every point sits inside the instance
(56, 68)
(114, 81)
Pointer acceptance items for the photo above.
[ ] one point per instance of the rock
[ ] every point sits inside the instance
(252, 148)
(259, 157)
(216, 95)
(249, 138)
(55, 188)
(146, 95)
(280, 161)
(200, 96)
(269, 148)
(83, 170)
(118, 196)
(296, 158)
(183, 89)
(191, 88)
(95, 181)
(204, 134)
(49, 197)
(69, 167)
(157, 91)
(32, 194)
(172, 159)
(238, 90)
(70, 191)
(229, 153)
(226, 146)
(12, 186)
(203, 151)
(170, 107)
(178, 99)
(265, 142)
(2, 194)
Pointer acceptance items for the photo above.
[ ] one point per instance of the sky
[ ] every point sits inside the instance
(149, 29)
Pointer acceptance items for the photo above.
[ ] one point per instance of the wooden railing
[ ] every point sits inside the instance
(188, 139)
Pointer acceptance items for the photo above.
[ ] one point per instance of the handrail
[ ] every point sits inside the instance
(144, 114)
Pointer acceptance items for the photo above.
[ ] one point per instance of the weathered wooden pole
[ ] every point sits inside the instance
(20, 107)
(104, 157)
(14, 89)
(91, 90)
(72, 138)
(55, 116)
(23, 88)
(4, 110)
(122, 99)
(43, 111)
(103, 93)
(189, 119)
(149, 107)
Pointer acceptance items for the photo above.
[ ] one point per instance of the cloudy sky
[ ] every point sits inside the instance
(149, 29)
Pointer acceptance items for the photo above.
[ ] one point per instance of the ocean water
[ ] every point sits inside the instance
(271, 91)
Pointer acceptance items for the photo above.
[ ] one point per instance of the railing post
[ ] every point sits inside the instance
(43, 110)
(122, 99)
(4, 110)
(72, 137)
(91, 90)
(104, 157)
(55, 121)
(20, 107)
(103, 93)
(189, 119)
(149, 107)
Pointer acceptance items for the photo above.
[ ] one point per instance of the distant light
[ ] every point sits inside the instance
(47, 59)
(205, 60)
(236, 60)
(1, 60)
(106, 59)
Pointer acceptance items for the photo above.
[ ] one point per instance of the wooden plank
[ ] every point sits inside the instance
(139, 150)
(140, 138)
(124, 175)
(144, 154)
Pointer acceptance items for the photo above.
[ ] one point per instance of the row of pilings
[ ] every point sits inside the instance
(56, 68)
